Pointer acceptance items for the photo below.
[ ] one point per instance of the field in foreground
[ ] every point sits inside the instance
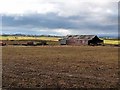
(60, 67)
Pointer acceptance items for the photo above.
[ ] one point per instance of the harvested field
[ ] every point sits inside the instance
(60, 67)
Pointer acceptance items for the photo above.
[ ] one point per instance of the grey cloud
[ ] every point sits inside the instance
(54, 21)
(84, 22)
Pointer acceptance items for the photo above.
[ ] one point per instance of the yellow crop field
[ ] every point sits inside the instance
(115, 42)
(28, 38)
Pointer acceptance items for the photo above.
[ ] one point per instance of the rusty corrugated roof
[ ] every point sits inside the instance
(87, 37)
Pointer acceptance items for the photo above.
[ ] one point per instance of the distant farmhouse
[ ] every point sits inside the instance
(81, 40)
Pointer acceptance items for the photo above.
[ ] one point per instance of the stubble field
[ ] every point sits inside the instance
(60, 67)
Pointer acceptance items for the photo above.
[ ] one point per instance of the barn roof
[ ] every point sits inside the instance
(88, 37)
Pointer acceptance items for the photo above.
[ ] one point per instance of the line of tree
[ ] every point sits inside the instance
(28, 35)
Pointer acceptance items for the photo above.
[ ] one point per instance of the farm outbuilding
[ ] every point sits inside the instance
(81, 40)
(2, 43)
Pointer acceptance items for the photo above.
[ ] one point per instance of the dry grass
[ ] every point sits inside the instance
(60, 67)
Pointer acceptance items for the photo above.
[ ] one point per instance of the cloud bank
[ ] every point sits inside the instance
(59, 17)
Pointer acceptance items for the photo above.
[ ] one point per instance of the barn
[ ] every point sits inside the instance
(80, 40)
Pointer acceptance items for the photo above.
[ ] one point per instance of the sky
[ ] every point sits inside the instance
(59, 17)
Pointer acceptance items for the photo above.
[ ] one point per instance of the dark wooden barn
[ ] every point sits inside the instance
(81, 40)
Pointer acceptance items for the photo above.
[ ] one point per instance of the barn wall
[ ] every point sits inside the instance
(77, 42)
(95, 41)
(82, 42)
(71, 41)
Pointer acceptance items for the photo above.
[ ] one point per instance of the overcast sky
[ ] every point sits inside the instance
(59, 17)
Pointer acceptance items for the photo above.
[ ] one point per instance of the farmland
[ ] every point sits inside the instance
(112, 41)
(28, 38)
(55, 39)
(60, 66)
